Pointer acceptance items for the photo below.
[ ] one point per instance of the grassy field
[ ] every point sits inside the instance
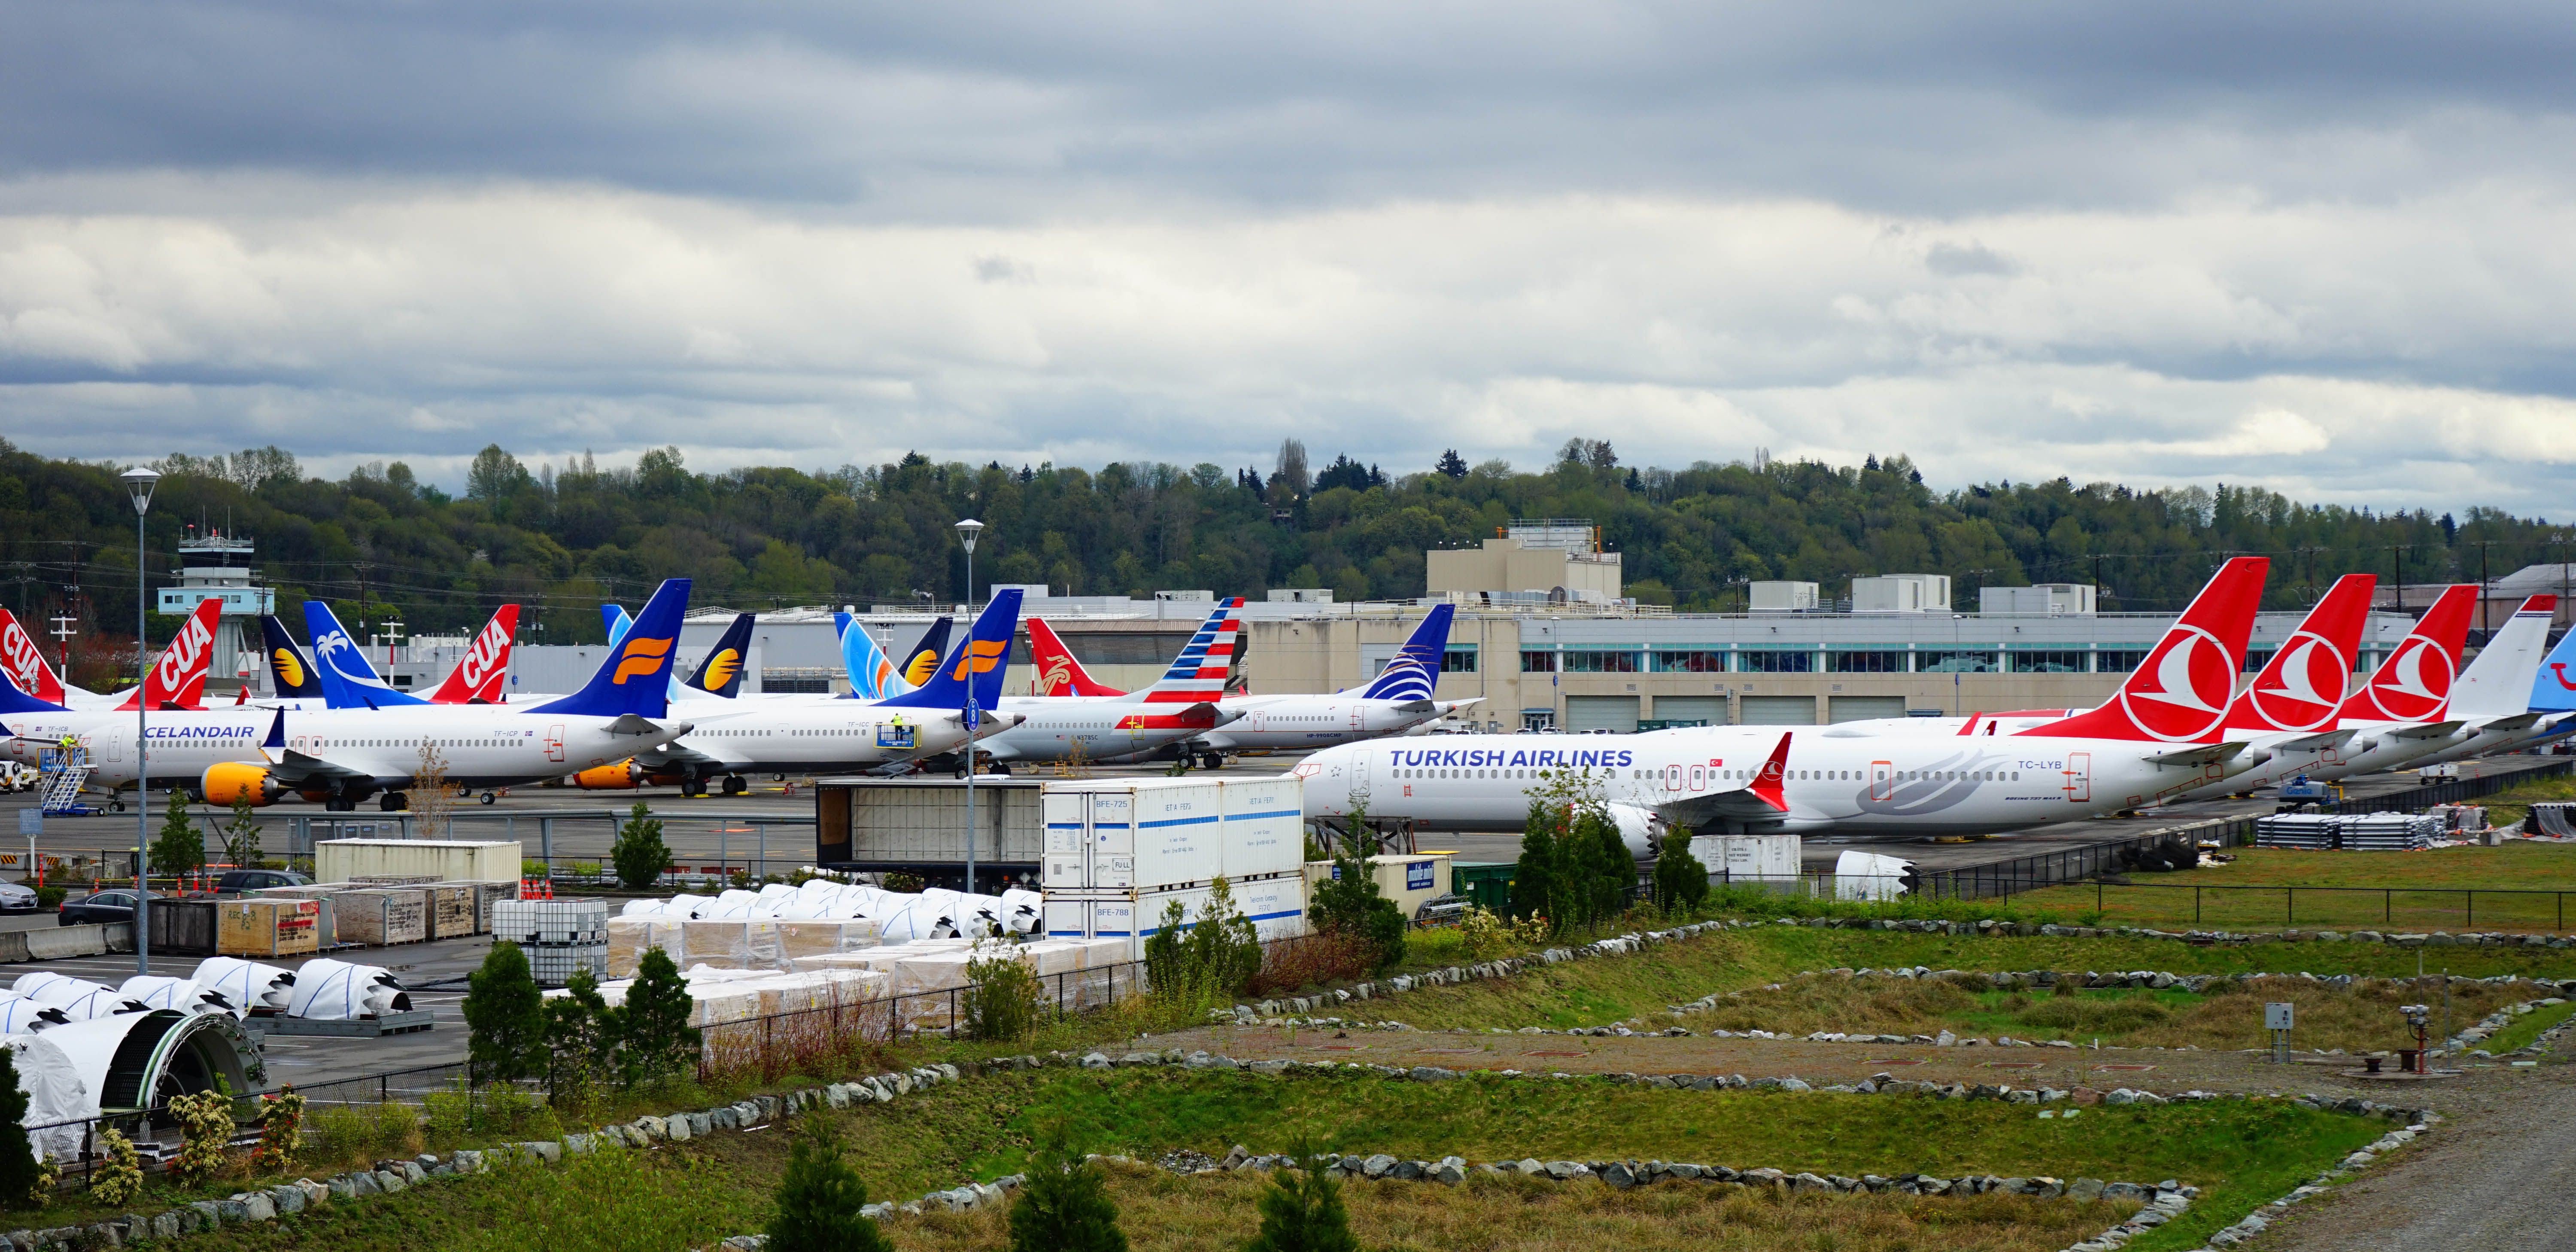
(2243, 1153)
(2527, 1027)
(2512, 805)
(1600, 992)
(2402, 891)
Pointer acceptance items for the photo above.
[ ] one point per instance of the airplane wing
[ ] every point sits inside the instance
(2199, 754)
(1757, 800)
(2429, 730)
(298, 772)
(2511, 721)
(2321, 739)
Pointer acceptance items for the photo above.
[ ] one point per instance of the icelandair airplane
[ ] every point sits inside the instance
(177, 680)
(2160, 736)
(338, 757)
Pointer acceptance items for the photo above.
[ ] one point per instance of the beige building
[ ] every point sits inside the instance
(1532, 562)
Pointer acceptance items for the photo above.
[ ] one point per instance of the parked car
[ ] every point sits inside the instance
(17, 898)
(239, 882)
(98, 906)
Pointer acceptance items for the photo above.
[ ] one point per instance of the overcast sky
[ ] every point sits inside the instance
(2327, 248)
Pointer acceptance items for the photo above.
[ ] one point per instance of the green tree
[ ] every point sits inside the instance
(1349, 903)
(581, 1043)
(19, 1172)
(1302, 1210)
(639, 854)
(655, 1037)
(1064, 1206)
(179, 847)
(1681, 882)
(819, 1198)
(241, 833)
(1534, 878)
(1225, 948)
(1614, 870)
(505, 1018)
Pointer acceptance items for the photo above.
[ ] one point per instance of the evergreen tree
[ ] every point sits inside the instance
(1349, 903)
(655, 1037)
(505, 1019)
(179, 847)
(241, 834)
(1681, 882)
(1614, 871)
(639, 854)
(1534, 885)
(819, 1198)
(1064, 1206)
(1302, 1210)
(581, 1035)
(19, 1171)
(1452, 465)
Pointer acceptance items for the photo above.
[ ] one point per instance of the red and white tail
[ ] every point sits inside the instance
(2304, 685)
(1200, 672)
(2182, 692)
(178, 679)
(1057, 672)
(26, 662)
(483, 676)
(2414, 683)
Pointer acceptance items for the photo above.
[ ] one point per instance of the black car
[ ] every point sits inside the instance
(98, 906)
(238, 882)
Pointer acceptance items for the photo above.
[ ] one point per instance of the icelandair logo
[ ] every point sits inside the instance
(981, 656)
(641, 656)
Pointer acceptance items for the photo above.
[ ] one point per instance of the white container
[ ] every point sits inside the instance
(1123, 920)
(441, 860)
(1264, 831)
(1132, 833)
(1747, 858)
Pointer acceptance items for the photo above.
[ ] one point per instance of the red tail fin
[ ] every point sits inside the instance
(178, 679)
(2414, 683)
(26, 662)
(1766, 781)
(1057, 673)
(481, 676)
(2304, 685)
(2182, 692)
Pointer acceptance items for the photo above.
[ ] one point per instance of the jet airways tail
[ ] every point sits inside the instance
(923, 661)
(2498, 682)
(1199, 673)
(2305, 682)
(720, 674)
(24, 662)
(976, 667)
(2414, 683)
(348, 681)
(636, 677)
(483, 676)
(1058, 673)
(178, 679)
(2182, 692)
(289, 670)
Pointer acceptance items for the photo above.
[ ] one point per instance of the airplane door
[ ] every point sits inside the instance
(2079, 777)
(1699, 778)
(1882, 780)
(1359, 715)
(1360, 772)
(554, 742)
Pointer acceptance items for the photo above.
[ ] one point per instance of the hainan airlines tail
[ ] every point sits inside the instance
(2182, 692)
(2304, 684)
(720, 674)
(2414, 683)
(484, 675)
(1058, 673)
(24, 662)
(178, 679)
(288, 668)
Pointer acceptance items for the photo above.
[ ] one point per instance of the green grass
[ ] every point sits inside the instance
(2242, 1153)
(2385, 891)
(2513, 804)
(2527, 1027)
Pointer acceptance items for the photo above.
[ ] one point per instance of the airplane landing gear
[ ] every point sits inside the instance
(489, 797)
(735, 785)
(394, 802)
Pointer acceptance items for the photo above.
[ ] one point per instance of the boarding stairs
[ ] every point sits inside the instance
(64, 772)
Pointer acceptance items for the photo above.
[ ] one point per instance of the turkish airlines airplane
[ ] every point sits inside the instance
(2162, 734)
(177, 680)
(338, 757)
(2493, 701)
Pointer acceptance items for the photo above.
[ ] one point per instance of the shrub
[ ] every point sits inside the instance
(581, 1044)
(118, 1177)
(1534, 886)
(51, 897)
(1001, 999)
(1312, 960)
(18, 1171)
(179, 848)
(1349, 903)
(1681, 882)
(657, 1043)
(1302, 1211)
(281, 1130)
(505, 1018)
(241, 834)
(639, 854)
(206, 1120)
(1064, 1206)
(1195, 966)
(819, 1198)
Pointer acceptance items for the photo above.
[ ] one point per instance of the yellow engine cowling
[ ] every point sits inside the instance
(227, 782)
(622, 776)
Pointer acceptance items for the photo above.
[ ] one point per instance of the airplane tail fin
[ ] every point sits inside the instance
(1200, 672)
(485, 671)
(2304, 684)
(2182, 692)
(2553, 690)
(348, 681)
(178, 679)
(1058, 673)
(25, 662)
(1402, 679)
(1429, 642)
(2414, 683)
(2498, 682)
(613, 618)
(871, 670)
(636, 677)
(15, 700)
(720, 673)
(924, 659)
(288, 668)
(982, 659)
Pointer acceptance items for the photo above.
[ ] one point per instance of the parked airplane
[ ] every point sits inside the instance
(875, 675)
(2492, 702)
(341, 756)
(290, 671)
(177, 679)
(2160, 735)
(1179, 705)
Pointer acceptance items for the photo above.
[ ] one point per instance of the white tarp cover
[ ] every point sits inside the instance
(53, 988)
(55, 1093)
(630, 937)
(1023, 912)
(336, 991)
(22, 1016)
(79, 999)
(183, 994)
(1869, 876)
(247, 984)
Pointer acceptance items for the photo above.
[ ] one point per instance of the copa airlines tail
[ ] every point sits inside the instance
(636, 677)
(24, 662)
(982, 659)
(178, 678)
(289, 670)
(348, 681)
(1058, 672)
(720, 674)
(482, 676)
(2182, 691)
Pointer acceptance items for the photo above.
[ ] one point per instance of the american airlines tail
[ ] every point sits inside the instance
(2305, 682)
(2182, 692)
(2414, 683)
(1058, 673)
(484, 675)
(1198, 675)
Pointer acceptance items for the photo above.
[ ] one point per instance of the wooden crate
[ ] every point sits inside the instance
(382, 917)
(487, 894)
(451, 910)
(267, 928)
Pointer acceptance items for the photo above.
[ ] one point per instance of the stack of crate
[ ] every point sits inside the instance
(559, 936)
(1120, 852)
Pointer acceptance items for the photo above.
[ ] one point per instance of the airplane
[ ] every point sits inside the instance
(2553, 693)
(1122, 727)
(826, 735)
(346, 679)
(720, 671)
(1398, 699)
(873, 674)
(2492, 701)
(177, 679)
(2161, 734)
(338, 757)
(289, 669)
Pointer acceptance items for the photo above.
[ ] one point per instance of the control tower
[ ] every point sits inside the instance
(214, 564)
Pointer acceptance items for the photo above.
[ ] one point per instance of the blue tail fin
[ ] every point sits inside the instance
(348, 682)
(868, 664)
(1401, 680)
(2554, 690)
(721, 672)
(613, 617)
(636, 677)
(1430, 640)
(288, 667)
(15, 700)
(983, 656)
(916, 666)
(276, 741)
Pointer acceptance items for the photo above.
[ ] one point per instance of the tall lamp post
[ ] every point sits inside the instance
(968, 531)
(138, 484)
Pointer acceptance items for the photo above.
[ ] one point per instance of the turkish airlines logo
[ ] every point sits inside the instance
(980, 657)
(2415, 684)
(290, 672)
(2192, 681)
(186, 654)
(2306, 684)
(640, 656)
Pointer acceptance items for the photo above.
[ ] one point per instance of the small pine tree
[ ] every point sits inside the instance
(639, 854)
(1225, 949)
(19, 1172)
(819, 1198)
(1302, 1211)
(1065, 1205)
(241, 834)
(579, 1040)
(1614, 871)
(505, 1017)
(657, 1041)
(1350, 903)
(1681, 882)
(1534, 878)
(179, 848)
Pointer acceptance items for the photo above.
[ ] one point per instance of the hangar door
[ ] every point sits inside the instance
(1601, 713)
(1778, 710)
(1860, 708)
(1709, 709)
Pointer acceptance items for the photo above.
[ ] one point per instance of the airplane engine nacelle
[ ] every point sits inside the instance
(1639, 828)
(226, 783)
(622, 776)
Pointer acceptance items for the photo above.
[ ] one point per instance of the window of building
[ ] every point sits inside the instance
(1954, 662)
(1755, 662)
(2118, 662)
(2257, 658)
(1601, 662)
(1460, 658)
(1538, 662)
(1865, 662)
(1688, 662)
(2046, 662)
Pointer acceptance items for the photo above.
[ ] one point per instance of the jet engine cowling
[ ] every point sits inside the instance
(227, 782)
(1639, 828)
(624, 775)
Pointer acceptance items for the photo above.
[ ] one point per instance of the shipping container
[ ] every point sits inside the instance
(1410, 879)
(267, 928)
(1265, 826)
(1148, 833)
(399, 915)
(438, 860)
(1276, 906)
(917, 826)
(1749, 859)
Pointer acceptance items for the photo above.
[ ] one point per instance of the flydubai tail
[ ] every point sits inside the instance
(2182, 692)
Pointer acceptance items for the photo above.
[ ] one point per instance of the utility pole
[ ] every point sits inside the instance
(63, 650)
(2484, 626)
(2397, 570)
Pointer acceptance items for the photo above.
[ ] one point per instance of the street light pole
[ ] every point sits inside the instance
(968, 531)
(138, 484)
